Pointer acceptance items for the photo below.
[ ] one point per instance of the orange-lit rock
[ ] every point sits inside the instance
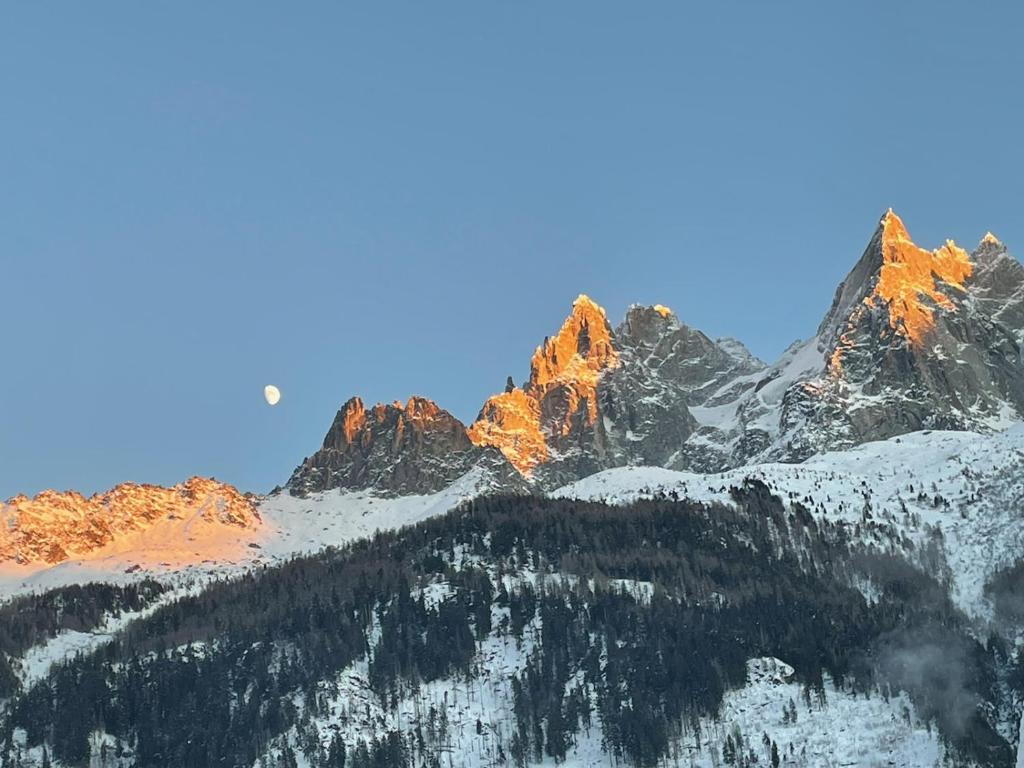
(412, 447)
(911, 275)
(511, 422)
(52, 527)
(564, 373)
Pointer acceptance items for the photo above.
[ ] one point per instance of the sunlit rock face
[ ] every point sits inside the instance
(415, 447)
(537, 423)
(915, 339)
(598, 398)
(594, 398)
(52, 527)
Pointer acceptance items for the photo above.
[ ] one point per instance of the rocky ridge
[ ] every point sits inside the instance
(52, 526)
(914, 339)
(414, 447)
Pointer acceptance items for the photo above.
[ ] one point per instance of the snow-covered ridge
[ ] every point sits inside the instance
(193, 550)
(969, 486)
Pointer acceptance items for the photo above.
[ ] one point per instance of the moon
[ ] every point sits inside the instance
(271, 394)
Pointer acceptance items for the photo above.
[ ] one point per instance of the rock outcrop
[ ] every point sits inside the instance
(415, 447)
(553, 418)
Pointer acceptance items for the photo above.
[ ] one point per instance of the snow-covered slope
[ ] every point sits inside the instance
(471, 722)
(191, 550)
(968, 486)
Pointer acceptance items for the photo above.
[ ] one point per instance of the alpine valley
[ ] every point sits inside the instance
(656, 550)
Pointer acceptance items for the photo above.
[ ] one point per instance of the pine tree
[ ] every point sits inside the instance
(729, 751)
(336, 753)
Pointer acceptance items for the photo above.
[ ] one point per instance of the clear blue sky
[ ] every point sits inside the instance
(197, 199)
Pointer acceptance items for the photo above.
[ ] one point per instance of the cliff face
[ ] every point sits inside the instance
(914, 340)
(537, 423)
(415, 447)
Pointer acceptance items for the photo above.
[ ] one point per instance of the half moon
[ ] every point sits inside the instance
(271, 394)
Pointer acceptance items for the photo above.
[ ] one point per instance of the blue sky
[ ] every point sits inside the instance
(197, 199)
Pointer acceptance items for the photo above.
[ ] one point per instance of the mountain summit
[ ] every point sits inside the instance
(415, 447)
(201, 517)
(530, 425)
(914, 339)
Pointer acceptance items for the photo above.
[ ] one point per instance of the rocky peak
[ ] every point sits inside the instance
(913, 281)
(560, 394)
(348, 424)
(646, 324)
(415, 447)
(654, 338)
(895, 274)
(578, 354)
(55, 526)
(997, 285)
(915, 339)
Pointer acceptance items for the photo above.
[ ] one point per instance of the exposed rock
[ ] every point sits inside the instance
(417, 447)
(52, 527)
(668, 372)
(557, 407)
(914, 339)
(598, 398)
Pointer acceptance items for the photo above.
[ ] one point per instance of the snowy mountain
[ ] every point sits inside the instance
(657, 550)
(61, 538)
(915, 339)
(523, 630)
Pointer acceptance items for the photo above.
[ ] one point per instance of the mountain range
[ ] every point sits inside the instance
(655, 550)
(914, 339)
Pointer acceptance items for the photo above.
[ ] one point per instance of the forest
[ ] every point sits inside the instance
(213, 679)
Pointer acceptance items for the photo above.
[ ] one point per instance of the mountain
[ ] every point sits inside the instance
(599, 398)
(53, 527)
(524, 630)
(413, 448)
(594, 398)
(915, 339)
(657, 550)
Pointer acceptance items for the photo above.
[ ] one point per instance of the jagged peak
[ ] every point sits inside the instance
(574, 359)
(893, 226)
(419, 407)
(646, 324)
(909, 274)
(990, 239)
(581, 349)
(906, 281)
(585, 304)
(193, 486)
(349, 422)
(352, 417)
(651, 310)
